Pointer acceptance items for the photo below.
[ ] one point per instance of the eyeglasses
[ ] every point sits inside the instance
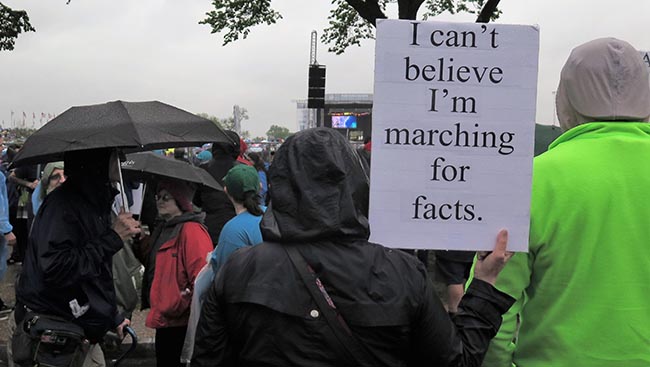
(56, 177)
(165, 197)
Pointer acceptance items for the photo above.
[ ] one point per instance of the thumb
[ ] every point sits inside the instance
(502, 242)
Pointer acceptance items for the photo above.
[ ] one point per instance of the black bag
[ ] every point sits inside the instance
(48, 341)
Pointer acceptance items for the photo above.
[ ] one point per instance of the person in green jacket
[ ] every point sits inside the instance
(583, 289)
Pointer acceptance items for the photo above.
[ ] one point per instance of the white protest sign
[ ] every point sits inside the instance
(453, 134)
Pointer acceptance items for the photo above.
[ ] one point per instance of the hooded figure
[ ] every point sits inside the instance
(259, 312)
(583, 287)
(67, 269)
(603, 80)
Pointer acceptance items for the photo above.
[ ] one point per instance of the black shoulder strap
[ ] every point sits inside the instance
(346, 342)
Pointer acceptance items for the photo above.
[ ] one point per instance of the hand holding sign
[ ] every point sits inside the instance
(489, 264)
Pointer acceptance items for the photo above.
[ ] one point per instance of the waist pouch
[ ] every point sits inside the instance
(48, 341)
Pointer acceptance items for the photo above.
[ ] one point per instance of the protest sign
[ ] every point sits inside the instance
(453, 134)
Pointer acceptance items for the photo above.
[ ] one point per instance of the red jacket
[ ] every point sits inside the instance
(178, 262)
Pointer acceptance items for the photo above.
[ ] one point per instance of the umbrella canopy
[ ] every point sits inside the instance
(147, 165)
(131, 126)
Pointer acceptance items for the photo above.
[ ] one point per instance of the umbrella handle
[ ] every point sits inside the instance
(125, 201)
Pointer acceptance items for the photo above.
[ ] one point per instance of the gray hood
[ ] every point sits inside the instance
(603, 80)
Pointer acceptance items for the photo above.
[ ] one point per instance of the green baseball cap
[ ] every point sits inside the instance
(240, 180)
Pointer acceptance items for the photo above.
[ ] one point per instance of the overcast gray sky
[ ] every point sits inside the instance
(94, 51)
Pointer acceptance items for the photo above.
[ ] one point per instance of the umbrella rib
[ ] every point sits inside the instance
(138, 137)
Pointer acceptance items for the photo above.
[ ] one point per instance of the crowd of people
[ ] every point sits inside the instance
(276, 269)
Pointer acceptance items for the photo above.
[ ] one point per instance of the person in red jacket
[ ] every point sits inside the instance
(180, 246)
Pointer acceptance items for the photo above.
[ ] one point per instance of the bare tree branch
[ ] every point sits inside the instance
(488, 11)
(368, 10)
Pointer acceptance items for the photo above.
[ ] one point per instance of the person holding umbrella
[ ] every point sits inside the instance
(180, 246)
(67, 269)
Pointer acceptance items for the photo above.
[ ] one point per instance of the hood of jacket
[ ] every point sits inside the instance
(320, 190)
(603, 80)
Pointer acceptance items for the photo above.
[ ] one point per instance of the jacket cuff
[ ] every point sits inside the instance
(117, 320)
(113, 241)
(490, 301)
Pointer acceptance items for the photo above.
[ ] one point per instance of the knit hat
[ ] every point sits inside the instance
(50, 167)
(240, 180)
(181, 191)
(204, 156)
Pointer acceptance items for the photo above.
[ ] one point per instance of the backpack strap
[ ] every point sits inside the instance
(346, 343)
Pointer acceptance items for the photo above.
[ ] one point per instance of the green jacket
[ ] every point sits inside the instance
(583, 290)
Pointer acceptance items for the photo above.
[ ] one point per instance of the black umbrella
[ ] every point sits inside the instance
(147, 165)
(131, 126)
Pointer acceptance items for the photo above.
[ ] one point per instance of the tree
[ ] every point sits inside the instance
(227, 123)
(350, 21)
(278, 132)
(12, 23)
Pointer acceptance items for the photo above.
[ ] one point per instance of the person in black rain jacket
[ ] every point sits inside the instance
(67, 270)
(259, 312)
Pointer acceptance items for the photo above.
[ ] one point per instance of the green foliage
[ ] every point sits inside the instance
(226, 123)
(237, 16)
(346, 27)
(278, 132)
(350, 21)
(12, 23)
(434, 8)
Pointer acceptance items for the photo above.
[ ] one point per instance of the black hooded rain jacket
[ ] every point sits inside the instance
(259, 312)
(68, 265)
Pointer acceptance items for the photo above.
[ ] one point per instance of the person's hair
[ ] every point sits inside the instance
(258, 162)
(179, 153)
(252, 203)
(45, 183)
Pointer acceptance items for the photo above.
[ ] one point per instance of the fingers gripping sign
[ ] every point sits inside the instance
(489, 264)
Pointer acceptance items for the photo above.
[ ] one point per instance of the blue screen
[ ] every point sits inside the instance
(344, 122)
